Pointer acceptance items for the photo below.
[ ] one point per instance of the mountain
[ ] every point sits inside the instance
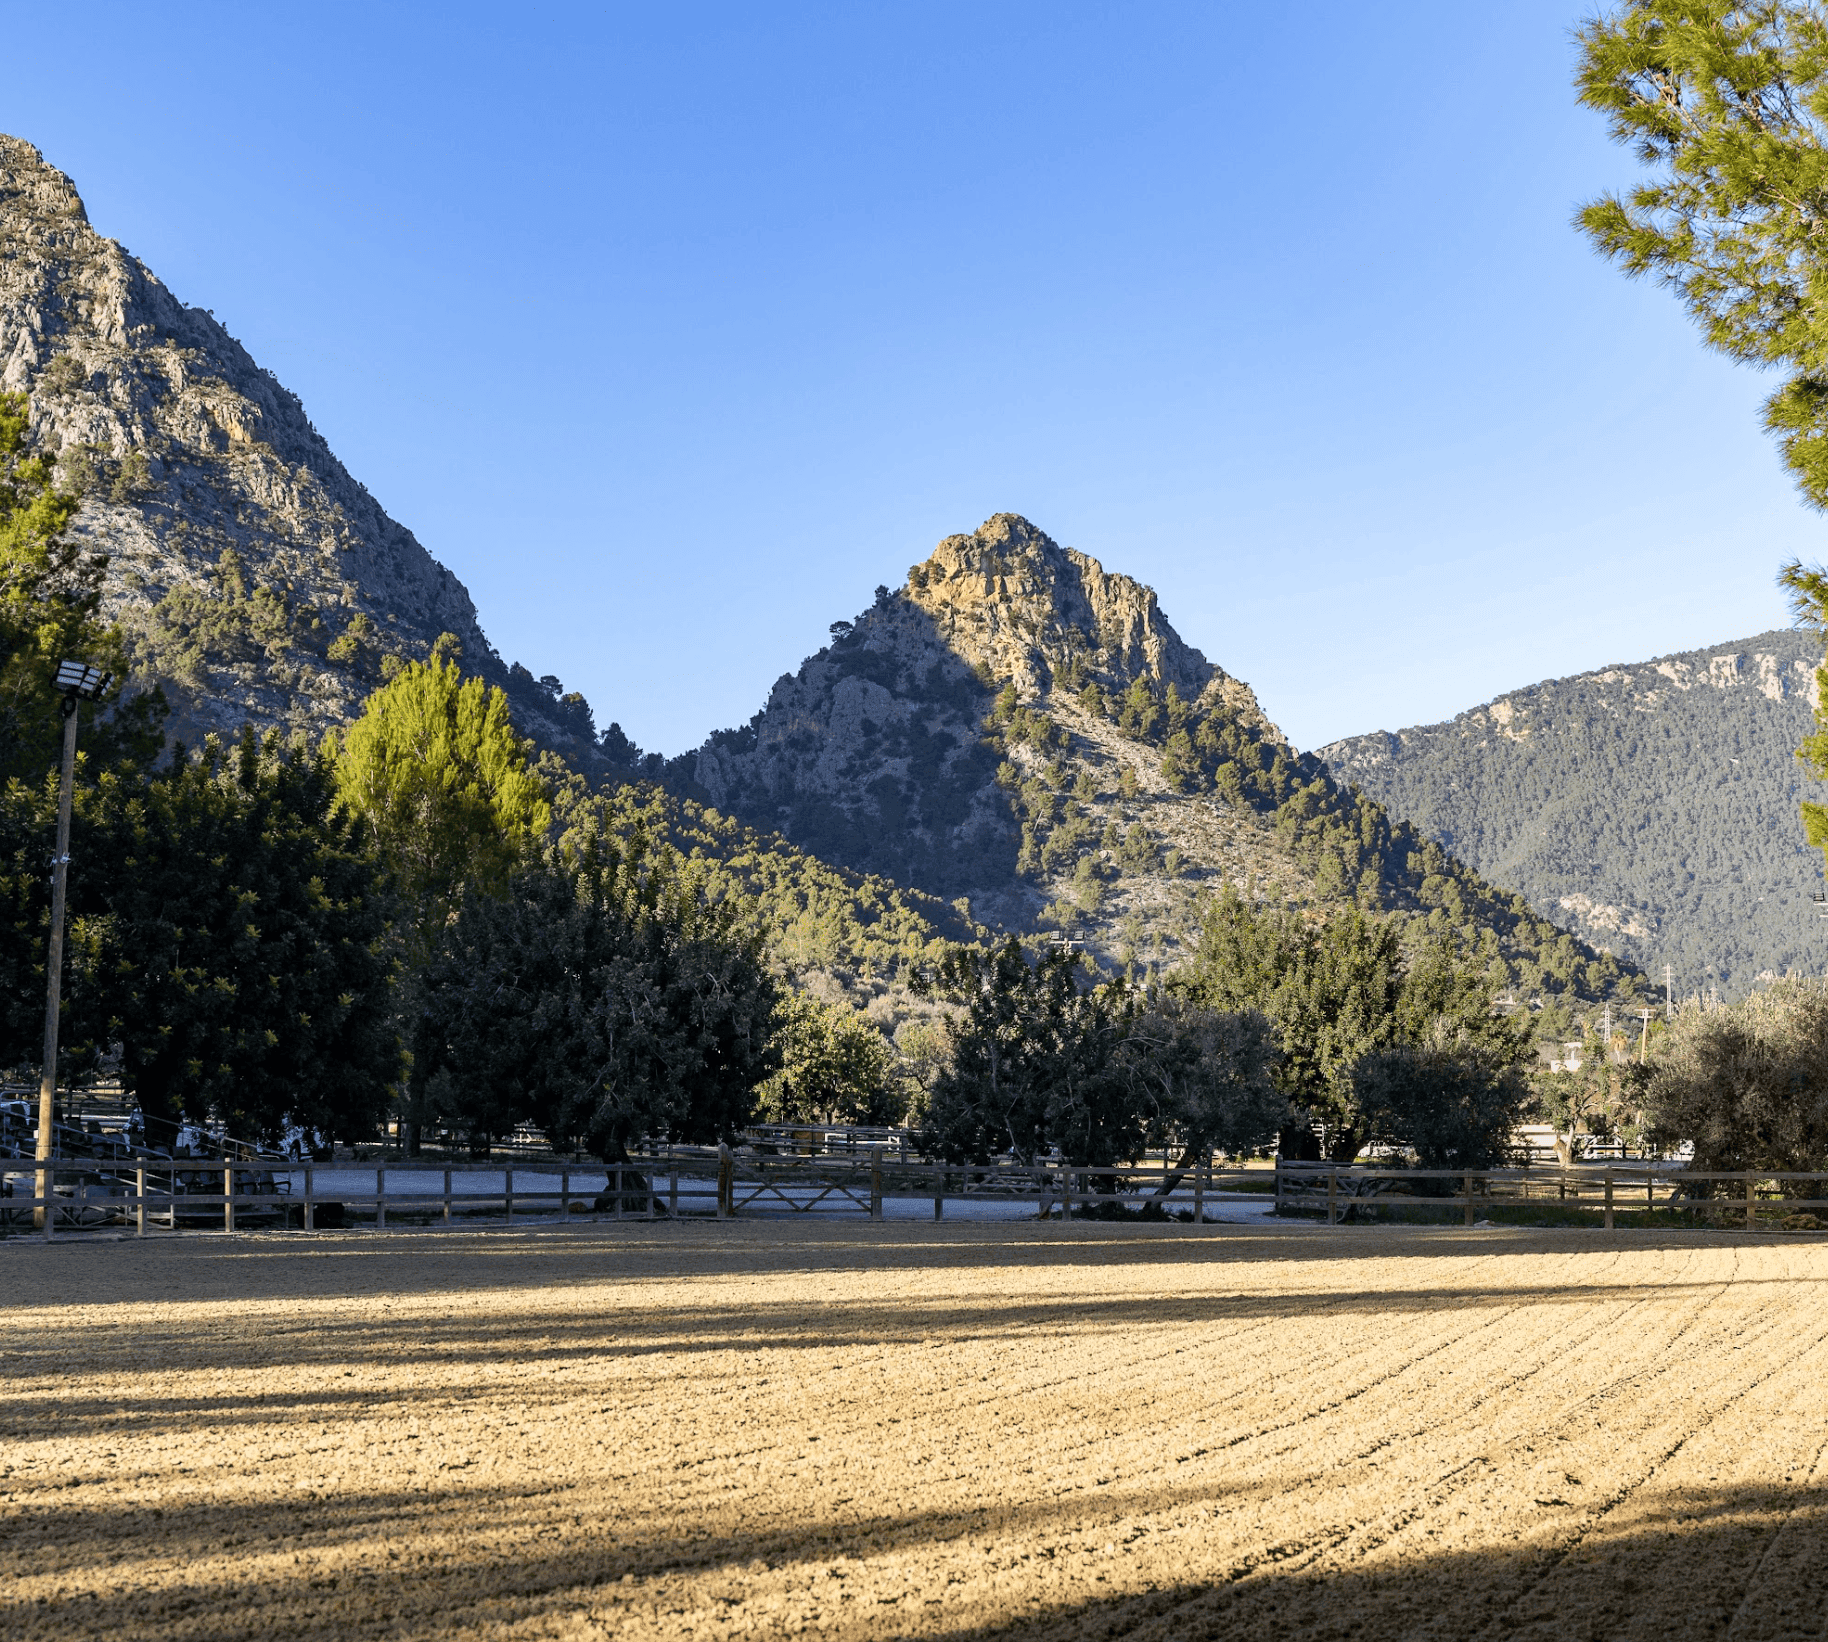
(1021, 731)
(1650, 806)
(1013, 739)
(255, 578)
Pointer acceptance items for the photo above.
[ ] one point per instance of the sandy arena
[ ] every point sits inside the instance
(859, 1430)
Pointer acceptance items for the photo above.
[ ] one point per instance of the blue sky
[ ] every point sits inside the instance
(674, 330)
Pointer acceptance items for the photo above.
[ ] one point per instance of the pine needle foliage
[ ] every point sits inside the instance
(441, 785)
(1728, 106)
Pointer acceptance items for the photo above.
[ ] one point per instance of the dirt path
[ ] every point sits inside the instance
(903, 1430)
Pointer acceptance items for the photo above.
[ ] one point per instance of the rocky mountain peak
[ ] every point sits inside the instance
(255, 578)
(1009, 598)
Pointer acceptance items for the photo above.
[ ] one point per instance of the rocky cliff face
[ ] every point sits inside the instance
(1019, 729)
(874, 753)
(256, 579)
(1651, 806)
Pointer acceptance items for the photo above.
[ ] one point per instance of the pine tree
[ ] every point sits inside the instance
(1728, 105)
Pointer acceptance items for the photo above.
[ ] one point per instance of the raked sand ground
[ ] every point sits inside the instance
(854, 1430)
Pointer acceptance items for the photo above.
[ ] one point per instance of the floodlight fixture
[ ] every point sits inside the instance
(78, 678)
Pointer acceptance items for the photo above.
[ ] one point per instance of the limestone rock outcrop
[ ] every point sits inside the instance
(256, 578)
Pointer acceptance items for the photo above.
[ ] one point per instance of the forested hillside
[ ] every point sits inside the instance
(1014, 729)
(1652, 807)
(255, 579)
(1017, 727)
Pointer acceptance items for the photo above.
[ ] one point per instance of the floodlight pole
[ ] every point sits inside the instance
(53, 965)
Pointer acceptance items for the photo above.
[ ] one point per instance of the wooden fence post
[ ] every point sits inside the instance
(1608, 1197)
(1751, 1211)
(139, 1191)
(47, 1195)
(228, 1197)
(447, 1197)
(1278, 1183)
(380, 1200)
(564, 1197)
(1468, 1184)
(939, 1195)
(672, 1192)
(726, 1182)
(875, 1183)
(1199, 1190)
(507, 1178)
(1332, 1197)
(310, 1214)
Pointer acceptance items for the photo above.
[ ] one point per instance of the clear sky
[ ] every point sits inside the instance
(675, 329)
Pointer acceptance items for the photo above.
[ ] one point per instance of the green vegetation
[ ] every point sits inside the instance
(226, 932)
(1748, 1085)
(604, 999)
(50, 599)
(1035, 1061)
(1726, 104)
(862, 930)
(1377, 1044)
(1646, 805)
(238, 959)
(836, 1067)
(1347, 844)
(192, 629)
(439, 783)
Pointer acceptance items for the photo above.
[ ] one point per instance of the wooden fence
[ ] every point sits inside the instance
(227, 1192)
(1603, 1189)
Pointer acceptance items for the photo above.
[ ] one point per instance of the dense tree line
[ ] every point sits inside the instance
(416, 921)
(1320, 1039)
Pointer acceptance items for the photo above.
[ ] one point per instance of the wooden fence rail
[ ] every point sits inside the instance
(1606, 1189)
(160, 1192)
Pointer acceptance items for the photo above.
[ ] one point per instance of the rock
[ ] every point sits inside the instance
(200, 472)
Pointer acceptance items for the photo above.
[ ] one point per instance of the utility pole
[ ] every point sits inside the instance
(76, 682)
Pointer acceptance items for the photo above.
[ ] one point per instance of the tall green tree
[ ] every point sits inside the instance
(234, 927)
(604, 999)
(1205, 1076)
(1453, 1099)
(1336, 993)
(1747, 1085)
(1727, 105)
(440, 783)
(1035, 1060)
(835, 1067)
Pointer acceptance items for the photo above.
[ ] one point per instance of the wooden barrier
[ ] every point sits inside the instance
(165, 1192)
(148, 1192)
(1590, 1187)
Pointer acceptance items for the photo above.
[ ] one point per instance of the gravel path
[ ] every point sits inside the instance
(855, 1430)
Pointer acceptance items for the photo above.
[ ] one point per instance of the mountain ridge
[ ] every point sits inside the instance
(1651, 806)
(255, 577)
(1020, 730)
(1014, 730)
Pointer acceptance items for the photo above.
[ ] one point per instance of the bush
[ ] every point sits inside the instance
(1747, 1085)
